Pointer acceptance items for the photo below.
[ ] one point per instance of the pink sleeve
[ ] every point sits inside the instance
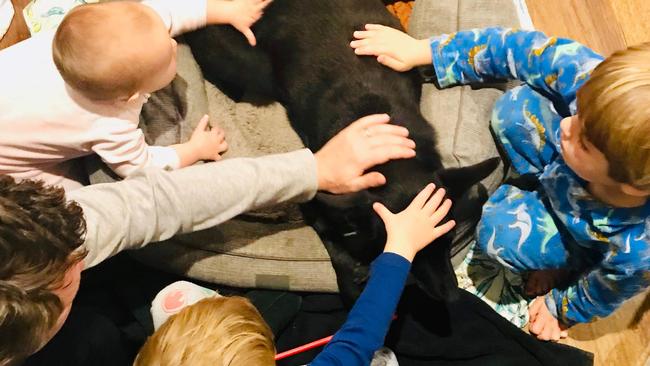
(121, 145)
(180, 16)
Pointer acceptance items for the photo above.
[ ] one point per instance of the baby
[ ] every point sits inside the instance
(80, 90)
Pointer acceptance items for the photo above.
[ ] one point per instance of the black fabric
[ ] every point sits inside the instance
(320, 315)
(278, 308)
(86, 338)
(110, 321)
(468, 332)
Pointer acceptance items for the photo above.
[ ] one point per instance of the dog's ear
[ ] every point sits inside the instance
(458, 180)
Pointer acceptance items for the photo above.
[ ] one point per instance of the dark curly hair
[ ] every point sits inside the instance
(41, 237)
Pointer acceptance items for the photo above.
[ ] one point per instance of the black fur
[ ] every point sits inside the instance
(303, 59)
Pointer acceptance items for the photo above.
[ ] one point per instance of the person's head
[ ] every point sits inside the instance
(114, 51)
(607, 142)
(216, 331)
(41, 257)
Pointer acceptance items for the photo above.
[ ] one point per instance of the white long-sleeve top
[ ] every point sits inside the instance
(44, 123)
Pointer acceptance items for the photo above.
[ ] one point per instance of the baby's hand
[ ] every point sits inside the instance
(416, 227)
(244, 13)
(208, 143)
(393, 48)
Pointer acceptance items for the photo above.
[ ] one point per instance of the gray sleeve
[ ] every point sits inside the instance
(153, 204)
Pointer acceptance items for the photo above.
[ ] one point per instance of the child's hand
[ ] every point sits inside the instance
(393, 48)
(242, 14)
(543, 324)
(416, 227)
(208, 144)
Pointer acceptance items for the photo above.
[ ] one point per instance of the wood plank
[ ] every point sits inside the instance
(582, 20)
(17, 30)
(633, 17)
(623, 338)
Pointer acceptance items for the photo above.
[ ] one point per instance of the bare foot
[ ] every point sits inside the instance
(541, 282)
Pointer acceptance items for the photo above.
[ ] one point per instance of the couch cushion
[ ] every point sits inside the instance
(467, 110)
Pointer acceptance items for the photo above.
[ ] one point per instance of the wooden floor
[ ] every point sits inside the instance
(606, 26)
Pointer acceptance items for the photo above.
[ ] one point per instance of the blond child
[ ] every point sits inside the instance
(229, 331)
(80, 90)
(580, 125)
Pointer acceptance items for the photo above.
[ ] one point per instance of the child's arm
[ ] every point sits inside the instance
(122, 147)
(622, 274)
(556, 65)
(408, 232)
(205, 144)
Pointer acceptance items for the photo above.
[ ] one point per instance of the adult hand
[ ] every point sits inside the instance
(543, 324)
(369, 141)
(411, 230)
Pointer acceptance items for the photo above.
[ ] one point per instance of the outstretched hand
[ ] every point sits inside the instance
(413, 229)
(343, 161)
(393, 48)
(241, 14)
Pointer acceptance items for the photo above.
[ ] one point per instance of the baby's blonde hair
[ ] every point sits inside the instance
(614, 105)
(216, 332)
(96, 50)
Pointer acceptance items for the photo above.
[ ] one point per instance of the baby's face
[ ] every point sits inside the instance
(582, 156)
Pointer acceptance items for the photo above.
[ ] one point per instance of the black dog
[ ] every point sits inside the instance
(303, 60)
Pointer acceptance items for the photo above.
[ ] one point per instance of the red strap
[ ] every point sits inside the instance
(301, 349)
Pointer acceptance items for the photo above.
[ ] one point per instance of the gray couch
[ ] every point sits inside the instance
(275, 248)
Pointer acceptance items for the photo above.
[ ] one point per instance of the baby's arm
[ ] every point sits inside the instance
(205, 144)
(122, 147)
(408, 232)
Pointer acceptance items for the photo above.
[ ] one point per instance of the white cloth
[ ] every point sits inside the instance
(6, 15)
(174, 298)
(43, 123)
(45, 15)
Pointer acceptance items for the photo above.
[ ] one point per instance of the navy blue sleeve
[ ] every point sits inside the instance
(365, 329)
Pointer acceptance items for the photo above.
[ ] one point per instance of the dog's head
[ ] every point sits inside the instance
(356, 228)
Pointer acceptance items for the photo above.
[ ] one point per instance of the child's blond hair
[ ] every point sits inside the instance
(215, 331)
(614, 105)
(96, 50)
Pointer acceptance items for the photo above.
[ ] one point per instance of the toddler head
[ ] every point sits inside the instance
(114, 51)
(215, 331)
(608, 141)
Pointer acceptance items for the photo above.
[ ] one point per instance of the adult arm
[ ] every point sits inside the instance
(153, 204)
